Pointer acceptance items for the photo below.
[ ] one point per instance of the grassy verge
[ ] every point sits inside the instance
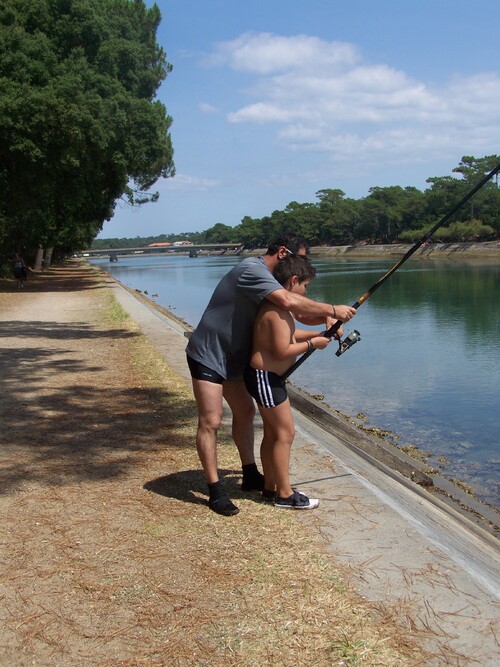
(255, 589)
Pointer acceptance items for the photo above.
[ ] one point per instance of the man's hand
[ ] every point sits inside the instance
(343, 313)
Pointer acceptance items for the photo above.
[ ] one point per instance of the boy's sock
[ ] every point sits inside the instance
(268, 496)
(253, 480)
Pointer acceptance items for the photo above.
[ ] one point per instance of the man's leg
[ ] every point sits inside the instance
(243, 411)
(208, 397)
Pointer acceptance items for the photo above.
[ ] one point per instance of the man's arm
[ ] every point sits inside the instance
(309, 311)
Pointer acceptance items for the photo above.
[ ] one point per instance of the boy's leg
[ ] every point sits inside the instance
(278, 422)
(266, 456)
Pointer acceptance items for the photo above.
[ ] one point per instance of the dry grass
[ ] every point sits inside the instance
(109, 553)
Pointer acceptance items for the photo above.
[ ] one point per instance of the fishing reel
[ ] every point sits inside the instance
(350, 340)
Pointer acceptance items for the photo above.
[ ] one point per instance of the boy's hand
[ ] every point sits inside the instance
(320, 342)
(329, 322)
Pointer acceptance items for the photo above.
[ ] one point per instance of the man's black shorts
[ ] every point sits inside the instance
(267, 388)
(201, 372)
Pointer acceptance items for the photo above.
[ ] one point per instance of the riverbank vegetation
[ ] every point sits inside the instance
(387, 215)
(80, 126)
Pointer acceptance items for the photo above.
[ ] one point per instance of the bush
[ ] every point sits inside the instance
(457, 232)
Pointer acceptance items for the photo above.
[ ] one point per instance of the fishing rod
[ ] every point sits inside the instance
(355, 336)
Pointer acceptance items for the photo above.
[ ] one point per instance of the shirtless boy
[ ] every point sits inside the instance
(276, 345)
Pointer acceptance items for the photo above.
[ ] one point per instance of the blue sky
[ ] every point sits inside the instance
(273, 100)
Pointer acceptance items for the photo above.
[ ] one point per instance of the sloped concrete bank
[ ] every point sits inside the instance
(490, 249)
(416, 474)
(463, 251)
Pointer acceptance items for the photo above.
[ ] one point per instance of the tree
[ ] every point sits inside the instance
(338, 217)
(462, 232)
(383, 213)
(486, 203)
(219, 233)
(249, 232)
(302, 219)
(79, 125)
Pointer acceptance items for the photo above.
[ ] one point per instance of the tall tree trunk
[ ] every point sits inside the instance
(38, 260)
(48, 257)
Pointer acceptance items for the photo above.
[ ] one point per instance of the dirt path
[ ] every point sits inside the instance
(108, 553)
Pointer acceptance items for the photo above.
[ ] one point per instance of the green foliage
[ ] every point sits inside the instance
(219, 233)
(388, 215)
(463, 232)
(79, 125)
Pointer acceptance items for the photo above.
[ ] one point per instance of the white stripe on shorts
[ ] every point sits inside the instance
(265, 390)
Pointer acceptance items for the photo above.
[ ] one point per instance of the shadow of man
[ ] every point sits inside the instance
(186, 484)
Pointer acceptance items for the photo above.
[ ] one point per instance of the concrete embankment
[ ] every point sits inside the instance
(463, 251)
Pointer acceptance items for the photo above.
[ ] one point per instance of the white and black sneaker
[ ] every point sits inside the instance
(297, 501)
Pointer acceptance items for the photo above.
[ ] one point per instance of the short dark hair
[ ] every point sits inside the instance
(292, 242)
(294, 265)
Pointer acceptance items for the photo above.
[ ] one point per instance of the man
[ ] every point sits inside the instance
(219, 350)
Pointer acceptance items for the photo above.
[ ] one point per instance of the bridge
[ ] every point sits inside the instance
(192, 250)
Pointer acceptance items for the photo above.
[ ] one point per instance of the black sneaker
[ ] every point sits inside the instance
(224, 506)
(254, 483)
(268, 496)
(297, 501)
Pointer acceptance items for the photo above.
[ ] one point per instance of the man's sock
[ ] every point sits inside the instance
(219, 500)
(253, 480)
(216, 490)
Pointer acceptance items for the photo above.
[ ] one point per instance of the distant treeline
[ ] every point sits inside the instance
(386, 215)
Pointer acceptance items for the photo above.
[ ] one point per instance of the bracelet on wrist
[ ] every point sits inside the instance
(334, 313)
(310, 345)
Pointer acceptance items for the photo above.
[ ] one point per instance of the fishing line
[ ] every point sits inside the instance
(354, 337)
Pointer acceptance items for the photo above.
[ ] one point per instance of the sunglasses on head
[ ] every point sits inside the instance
(294, 254)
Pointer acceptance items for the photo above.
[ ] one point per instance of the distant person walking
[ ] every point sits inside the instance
(20, 271)
(220, 348)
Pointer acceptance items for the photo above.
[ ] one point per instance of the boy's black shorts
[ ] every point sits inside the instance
(266, 387)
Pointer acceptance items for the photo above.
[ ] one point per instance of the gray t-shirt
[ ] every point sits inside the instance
(223, 338)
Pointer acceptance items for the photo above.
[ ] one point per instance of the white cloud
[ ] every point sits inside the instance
(186, 182)
(325, 98)
(207, 108)
(265, 113)
(264, 53)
